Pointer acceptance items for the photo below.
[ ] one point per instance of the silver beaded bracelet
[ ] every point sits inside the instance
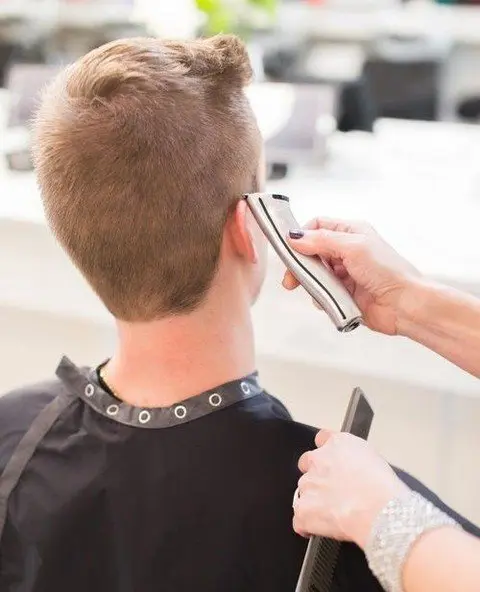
(398, 526)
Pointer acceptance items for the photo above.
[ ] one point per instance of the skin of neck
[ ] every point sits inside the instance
(163, 362)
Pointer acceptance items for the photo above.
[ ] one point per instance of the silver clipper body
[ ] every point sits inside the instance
(274, 216)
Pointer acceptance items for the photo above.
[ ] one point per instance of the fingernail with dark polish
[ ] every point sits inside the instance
(296, 234)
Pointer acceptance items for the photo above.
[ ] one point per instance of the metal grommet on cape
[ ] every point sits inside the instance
(89, 390)
(180, 411)
(215, 399)
(144, 416)
(245, 388)
(113, 409)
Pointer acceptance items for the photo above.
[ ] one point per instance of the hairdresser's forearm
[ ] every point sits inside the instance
(443, 560)
(444, 320)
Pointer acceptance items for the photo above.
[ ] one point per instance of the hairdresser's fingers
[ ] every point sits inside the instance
(290, 282)
(334, 262)
(298, 524)
(310, 460)
(315, 481)
(350, 285)
(325, 243)
(339, 225)
(340, 271)
(305, 462)
(309, 511)
(323, 437)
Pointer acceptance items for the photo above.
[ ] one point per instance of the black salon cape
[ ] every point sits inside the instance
(205, 506)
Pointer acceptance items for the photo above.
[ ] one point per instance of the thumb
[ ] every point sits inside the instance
(322, 242)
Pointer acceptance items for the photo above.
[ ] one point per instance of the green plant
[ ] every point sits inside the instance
(236, 16)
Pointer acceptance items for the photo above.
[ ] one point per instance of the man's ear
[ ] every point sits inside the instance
(241, 232)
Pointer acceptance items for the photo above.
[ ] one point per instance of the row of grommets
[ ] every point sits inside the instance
(180, 411)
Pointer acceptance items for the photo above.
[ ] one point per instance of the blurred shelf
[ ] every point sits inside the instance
(14, 11)
(461, 24)
(83, 16)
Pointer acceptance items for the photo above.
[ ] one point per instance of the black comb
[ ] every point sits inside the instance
(321, 557)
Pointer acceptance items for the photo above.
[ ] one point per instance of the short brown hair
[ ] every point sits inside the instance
(141, 148)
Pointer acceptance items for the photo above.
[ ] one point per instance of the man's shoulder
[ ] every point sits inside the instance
(28, 398)
(18, 409)
(270, 421)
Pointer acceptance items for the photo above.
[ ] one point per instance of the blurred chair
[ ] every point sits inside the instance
(404, 90)
(338, 65)
(405, 76)
(7, 51)
(469, 109)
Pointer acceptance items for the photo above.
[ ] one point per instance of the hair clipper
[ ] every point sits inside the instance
(274, 216)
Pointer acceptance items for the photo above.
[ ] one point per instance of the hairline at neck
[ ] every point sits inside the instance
(164, 362)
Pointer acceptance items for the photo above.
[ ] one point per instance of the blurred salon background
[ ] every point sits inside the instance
(369, 109)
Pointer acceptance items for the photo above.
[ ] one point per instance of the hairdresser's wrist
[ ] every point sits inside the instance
(362, 522)
(444, 320)
(414, 312)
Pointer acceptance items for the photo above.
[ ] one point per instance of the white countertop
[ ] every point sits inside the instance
(419, 184)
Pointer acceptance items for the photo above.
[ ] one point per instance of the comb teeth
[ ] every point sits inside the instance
(319, 565)
(323, 567)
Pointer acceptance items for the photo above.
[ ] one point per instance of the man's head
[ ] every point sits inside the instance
(143, 149)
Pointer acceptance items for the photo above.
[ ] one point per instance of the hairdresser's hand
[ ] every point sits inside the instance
(344, 488)
(374, 273)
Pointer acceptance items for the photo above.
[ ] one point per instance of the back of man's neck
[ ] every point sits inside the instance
(159, 364)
